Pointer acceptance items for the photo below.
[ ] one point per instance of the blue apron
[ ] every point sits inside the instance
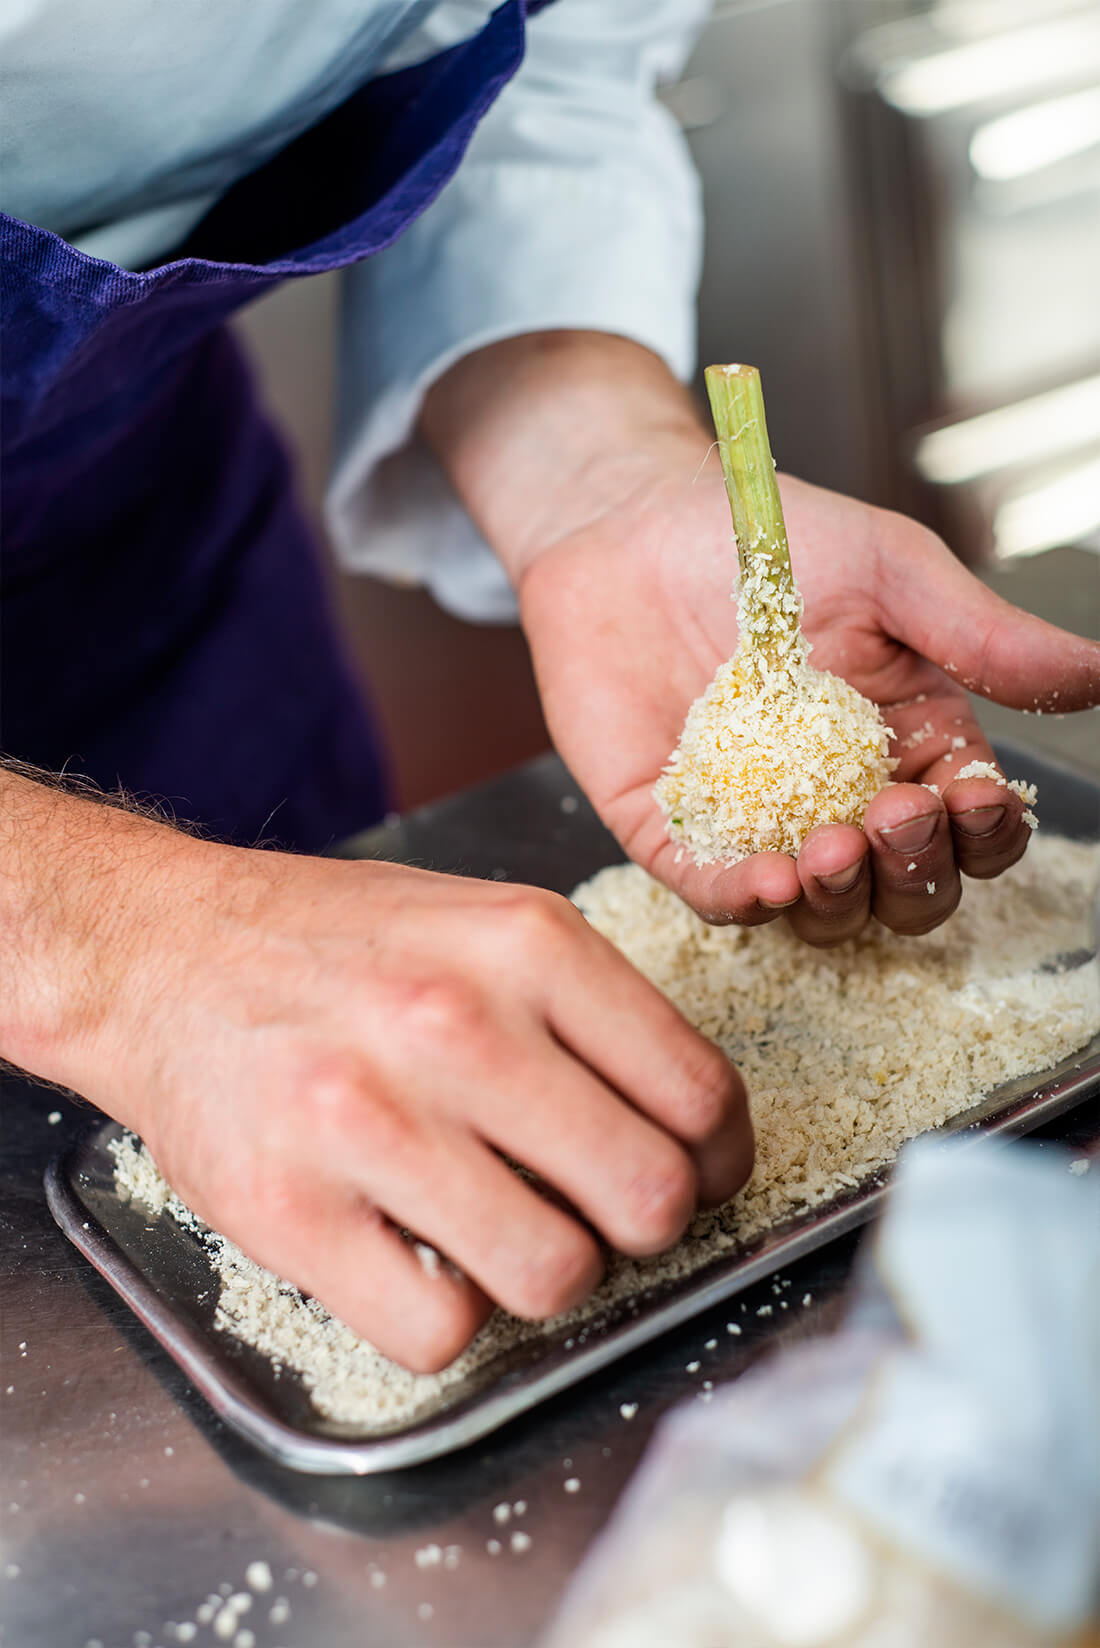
(165, 624)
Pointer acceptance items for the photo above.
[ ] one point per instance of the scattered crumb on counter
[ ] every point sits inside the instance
(572, 1484)
(1080, 1165)
(54, 1117)
(628, 1409)
(521, 1542)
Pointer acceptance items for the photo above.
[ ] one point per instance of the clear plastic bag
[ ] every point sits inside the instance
(927, 1478)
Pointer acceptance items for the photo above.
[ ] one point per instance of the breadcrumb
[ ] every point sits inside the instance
(846, 1054)
(773, 748)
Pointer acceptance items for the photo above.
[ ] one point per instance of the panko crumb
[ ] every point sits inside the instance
(430, 1262)
(773, 747)
(841, 1066)
(1028, 793)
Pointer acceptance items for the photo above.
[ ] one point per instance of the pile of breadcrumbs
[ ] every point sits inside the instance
(773, 747)
(846, 1053)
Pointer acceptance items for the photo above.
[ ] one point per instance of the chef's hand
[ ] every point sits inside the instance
(320, 1054)
(587, 468)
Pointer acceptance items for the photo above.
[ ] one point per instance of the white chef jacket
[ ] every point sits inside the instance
(575, 206)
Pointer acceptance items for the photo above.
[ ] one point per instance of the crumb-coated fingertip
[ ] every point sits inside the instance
(979, 821)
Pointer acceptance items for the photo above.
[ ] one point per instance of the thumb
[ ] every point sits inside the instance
(985, 643)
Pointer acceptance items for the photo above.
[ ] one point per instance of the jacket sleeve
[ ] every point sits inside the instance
(575, 206)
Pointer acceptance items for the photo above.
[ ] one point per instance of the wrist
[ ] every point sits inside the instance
(547, 434)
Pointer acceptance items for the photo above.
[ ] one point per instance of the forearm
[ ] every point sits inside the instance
(544, 434)
(74, 874)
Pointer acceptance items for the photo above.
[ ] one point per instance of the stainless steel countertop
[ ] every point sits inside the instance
(123, 1502)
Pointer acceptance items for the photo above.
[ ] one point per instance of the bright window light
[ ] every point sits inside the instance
(1042, 427)
(1028, 141)
(1061, 512)
(984, 69)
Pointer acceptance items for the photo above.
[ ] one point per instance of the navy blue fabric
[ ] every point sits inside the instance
(164, 619)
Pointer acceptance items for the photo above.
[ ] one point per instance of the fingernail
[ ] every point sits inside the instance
(769, 904)
(978, 820)
(911, 836)
(840, 880)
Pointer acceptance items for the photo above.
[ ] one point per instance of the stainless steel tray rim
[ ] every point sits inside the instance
(477, 1415)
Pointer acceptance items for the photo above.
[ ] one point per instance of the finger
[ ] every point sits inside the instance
(433, 1176)
(627, 1176)
(759, 889)
(834, 867)
(987, 819)
(603, 1010)
(944, 613)
(916, 882)
(344, 1252)
(987, 826)
(935, 736)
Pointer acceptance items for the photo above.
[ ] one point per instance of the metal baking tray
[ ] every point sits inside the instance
(532, 825)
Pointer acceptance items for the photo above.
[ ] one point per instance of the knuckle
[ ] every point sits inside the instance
(554, 1274)
(709, 1089)
(440, 1331)
(661, 1201)
(332, 1088)
(443, 1010)
(343, 1106)
(539, 921)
